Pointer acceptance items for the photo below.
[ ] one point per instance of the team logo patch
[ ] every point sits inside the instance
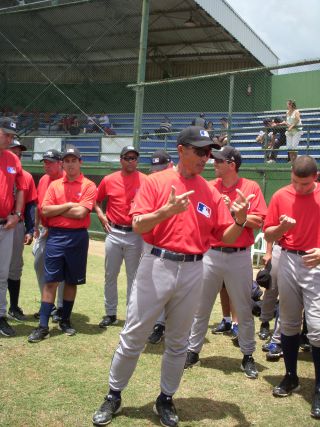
(11, 169)
(204, 133)
(204, 209)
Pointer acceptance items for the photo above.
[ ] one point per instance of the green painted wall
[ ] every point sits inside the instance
(303, 87)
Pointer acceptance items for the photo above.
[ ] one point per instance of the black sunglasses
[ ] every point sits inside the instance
(201, 151)
(222, 161)
(130, 158)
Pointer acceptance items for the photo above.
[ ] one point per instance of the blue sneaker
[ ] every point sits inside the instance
(235, 334)
(223, 327)
(275, 351)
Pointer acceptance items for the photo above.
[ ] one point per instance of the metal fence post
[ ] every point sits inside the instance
(141, 74)
(231, 92)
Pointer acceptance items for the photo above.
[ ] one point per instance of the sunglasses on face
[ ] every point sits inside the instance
(220, 161)
(130, 158)
(201, 151)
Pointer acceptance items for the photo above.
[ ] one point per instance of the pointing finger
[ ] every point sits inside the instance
(250, 197)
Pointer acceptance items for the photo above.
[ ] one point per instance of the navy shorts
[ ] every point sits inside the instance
(66, 255)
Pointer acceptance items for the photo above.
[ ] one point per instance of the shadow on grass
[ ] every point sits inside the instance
(306, 391)
(225, 364)
(192, 409)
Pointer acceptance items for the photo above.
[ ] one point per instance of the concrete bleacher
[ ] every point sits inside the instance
(244, 128)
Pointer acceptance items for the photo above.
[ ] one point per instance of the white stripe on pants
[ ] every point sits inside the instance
(235, 270)
(6, 245)
(159, 284)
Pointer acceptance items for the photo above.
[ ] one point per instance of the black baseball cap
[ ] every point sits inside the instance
(128, 149)
(159, 160)
(264, 278)
(267, 120)
(71, 151)
(8, 125)
(228, 153)
(194, 135)
(51, 155)
(16, 143)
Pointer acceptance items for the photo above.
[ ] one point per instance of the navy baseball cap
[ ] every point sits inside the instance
(51, 155)
(15, 143)
(159, 160)
(71, 151)
(194, 135)
(128, 149)
(228, 153)
(8, 125)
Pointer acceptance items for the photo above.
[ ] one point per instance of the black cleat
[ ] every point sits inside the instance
(223, 327)
(5, 328)
(166, 411)
(264, 331)
(66, 327)
(288, 385)
(157, 334)
(16, 314)
(111, 406)
(39, 334)
(192, 359)
(315, 408)
(248, 366)
(108, 321)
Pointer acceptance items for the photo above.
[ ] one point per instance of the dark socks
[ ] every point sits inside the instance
(45, 312)
(115, 393)
(316, 361)
(290, 348)
(164, 397)
(66, 309)
(14, 292)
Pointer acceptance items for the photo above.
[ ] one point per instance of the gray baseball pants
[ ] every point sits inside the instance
(270, 296)
(6, 245)
(39, 252)
(235, 270)
(16, 264)
(159, 284)
(120, 245)
(299, 287)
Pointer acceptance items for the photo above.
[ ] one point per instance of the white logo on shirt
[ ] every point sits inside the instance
(204, 209)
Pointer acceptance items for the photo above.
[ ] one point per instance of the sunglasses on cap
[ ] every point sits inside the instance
(200, 151)
(130, 158)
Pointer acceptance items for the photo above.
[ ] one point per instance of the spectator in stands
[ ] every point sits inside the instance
(222, 139)
(92, 124)
(200, 121)
(210, 130)
(294, 129)
(164, 128)
(104, 122)
(266, 138)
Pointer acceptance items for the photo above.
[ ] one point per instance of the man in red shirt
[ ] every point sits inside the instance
(175, 211)
(10, 211)
(67, 205)
(230, 264)
(23, 235)
(122, 243)
(52, 165)
(293, 219)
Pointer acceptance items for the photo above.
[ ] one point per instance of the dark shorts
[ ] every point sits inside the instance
(66, 256)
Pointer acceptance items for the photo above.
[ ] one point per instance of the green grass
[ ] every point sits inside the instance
(62, 380)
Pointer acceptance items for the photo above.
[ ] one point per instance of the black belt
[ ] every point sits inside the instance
(174, 256)
(227, 249)
(120, 227)
(293, 251)
(3, 221)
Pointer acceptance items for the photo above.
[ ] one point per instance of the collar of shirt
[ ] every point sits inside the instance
(78, 179)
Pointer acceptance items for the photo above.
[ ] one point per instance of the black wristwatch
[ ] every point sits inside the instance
(241, 225)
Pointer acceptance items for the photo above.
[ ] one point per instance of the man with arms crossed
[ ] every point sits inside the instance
(293, 219)
(175, 211)
(67, 205)
(230, 264)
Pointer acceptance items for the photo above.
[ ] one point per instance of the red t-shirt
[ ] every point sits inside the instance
(43, 185)
(188, 232)
(11, 177)
(305, 209)
(120, 191)
(257, 207)
(30, 192)
(82, 191)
